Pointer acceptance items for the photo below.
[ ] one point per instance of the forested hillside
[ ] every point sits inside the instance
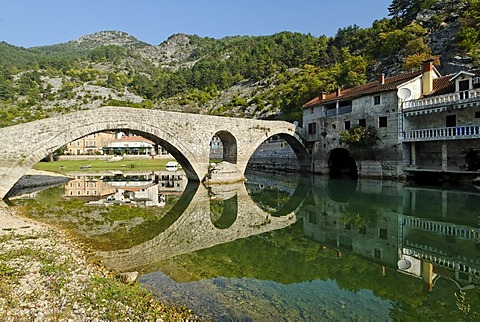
(246, 76)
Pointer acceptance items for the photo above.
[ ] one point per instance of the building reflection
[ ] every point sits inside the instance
(423, 232)
(142, 189)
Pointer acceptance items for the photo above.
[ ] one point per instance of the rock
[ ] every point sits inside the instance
(223, 172)
(224, 192)
(127, 277)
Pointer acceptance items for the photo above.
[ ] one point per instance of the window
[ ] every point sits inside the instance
(463, 87)
(312, 110)
(312, 217)
(377, 253)
(382, 121)
(382, 233)
(312, 128)
(376, 100)
(451, 120)
(362, 122)
(477, 115)
(362, 230)
(347, 125)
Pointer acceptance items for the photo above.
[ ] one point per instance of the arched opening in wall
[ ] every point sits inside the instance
(223, 147)
(280, 152)
(341, 163)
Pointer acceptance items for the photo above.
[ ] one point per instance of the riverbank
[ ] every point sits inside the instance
(44, 276)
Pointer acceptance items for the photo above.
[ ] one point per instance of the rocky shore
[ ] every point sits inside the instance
(46, 277)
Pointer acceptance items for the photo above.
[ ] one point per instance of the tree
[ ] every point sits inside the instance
(407, 10)
(361, 141)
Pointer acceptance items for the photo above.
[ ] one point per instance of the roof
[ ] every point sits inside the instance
(441, 85)
(134, 139)
(390, 83)
(446, 84)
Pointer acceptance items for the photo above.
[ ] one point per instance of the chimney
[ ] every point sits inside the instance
(322, 96)
(381, 79)
(339, 91)
(427, 77)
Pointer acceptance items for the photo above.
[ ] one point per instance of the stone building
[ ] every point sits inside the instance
(90, 144)
(424, 122)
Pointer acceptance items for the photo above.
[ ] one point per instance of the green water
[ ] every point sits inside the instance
(285, 248)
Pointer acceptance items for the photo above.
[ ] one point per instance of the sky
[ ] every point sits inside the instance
(29, 23)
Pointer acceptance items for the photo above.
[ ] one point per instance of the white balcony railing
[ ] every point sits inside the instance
(445, 133)
(442, 100)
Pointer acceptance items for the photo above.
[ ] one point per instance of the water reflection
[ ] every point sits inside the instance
(289, 247)
(214, 216)
(432, 231)
(144, 189)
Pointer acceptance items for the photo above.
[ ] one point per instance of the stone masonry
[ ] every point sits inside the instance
(186, 136)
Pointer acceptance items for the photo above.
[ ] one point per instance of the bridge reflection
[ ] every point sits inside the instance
(205, 217)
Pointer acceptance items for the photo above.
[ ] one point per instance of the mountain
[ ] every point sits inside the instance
(266, 77)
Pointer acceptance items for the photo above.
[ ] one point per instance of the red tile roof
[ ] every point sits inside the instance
(389, 84)
(446, 84)
(441, 85)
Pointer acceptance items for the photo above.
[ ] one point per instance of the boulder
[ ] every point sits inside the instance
(223, 172)
(127, 277)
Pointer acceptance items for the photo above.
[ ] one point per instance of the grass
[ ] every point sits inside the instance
(101, 165)
(99, 295)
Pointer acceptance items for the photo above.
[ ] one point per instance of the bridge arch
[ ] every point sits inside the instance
(155, 134)
(229, 146)
(304, 159)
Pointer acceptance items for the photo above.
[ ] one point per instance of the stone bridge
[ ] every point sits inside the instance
(194, 226)
(186, 137)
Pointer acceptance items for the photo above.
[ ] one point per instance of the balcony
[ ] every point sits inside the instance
(339, 111)
(439, 103)
(445, 133)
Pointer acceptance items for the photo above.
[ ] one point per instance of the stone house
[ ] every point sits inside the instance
(424, 122)
(90, 144)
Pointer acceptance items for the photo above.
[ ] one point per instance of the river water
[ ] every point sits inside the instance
(281, 247)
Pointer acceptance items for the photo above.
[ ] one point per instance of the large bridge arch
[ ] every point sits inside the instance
(186, 136)
(178, 150)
